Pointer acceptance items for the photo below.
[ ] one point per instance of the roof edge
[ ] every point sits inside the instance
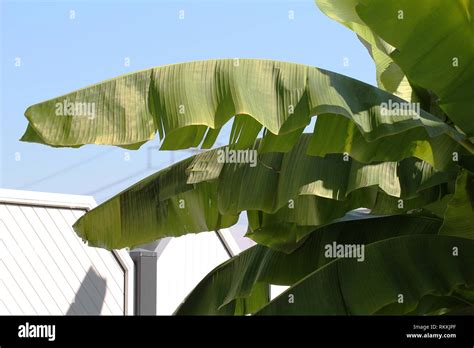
(58, 200)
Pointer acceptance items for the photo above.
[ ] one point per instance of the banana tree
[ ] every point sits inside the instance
(404, 150)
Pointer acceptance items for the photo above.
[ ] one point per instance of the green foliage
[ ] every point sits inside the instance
(416, 168)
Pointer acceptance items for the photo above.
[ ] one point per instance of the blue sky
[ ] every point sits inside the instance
(58, 54)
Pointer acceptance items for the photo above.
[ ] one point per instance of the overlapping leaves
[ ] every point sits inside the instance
(314, 276)
(437, 70)
(203, 193)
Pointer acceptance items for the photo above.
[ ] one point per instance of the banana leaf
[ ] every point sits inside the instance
(389, 75)
(188, 103)
(257, 266)
(202, 194)
(288, 228)
(395, 275)
(459, 214)
(441, 62)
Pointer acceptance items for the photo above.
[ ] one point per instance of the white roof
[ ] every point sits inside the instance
(45, 268)
(46, 199)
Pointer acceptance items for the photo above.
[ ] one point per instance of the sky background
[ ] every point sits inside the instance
(60, 51)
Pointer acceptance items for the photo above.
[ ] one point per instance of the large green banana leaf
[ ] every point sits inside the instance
(390, 77)
(441, 152)
(459, 215)
(442, 61)
(396, 274)
(436, 304)
(238, 277)
(295, 172)
(202, 194)
(188, 103)
(288, 228)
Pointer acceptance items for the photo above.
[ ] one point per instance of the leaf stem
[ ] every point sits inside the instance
(467, 145)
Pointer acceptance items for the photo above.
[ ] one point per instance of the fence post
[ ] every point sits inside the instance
(145, 281)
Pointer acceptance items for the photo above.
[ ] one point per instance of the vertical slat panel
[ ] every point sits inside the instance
(91, 295)
(46, 269)
(65, 276)
(12, 282)
(41, 260)
(5, 293)
(98, 284)
(182, 264)
(25, 269)
(106, 266)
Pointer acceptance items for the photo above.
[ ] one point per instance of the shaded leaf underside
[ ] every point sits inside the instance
(238, 277)
(413, 266)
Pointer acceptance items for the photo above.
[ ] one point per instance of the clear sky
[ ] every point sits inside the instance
(49, 48)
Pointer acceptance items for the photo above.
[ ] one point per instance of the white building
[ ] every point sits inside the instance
(45, 268)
